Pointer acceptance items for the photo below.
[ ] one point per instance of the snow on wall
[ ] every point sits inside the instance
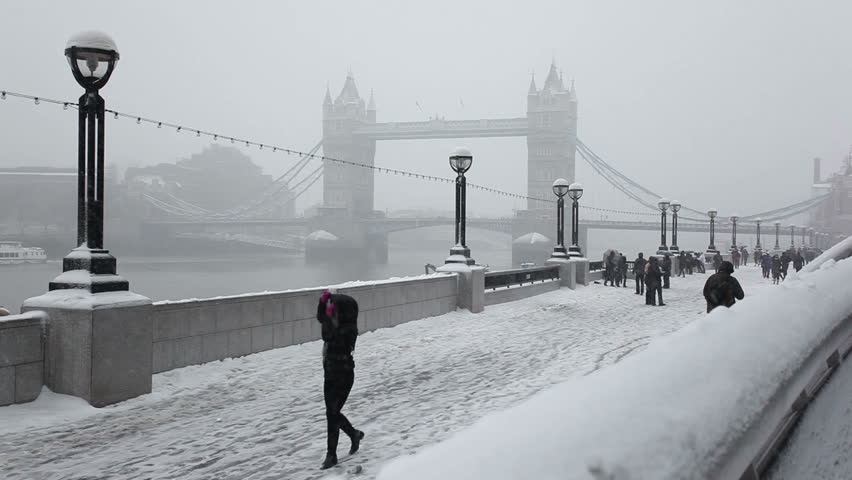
(671, 411)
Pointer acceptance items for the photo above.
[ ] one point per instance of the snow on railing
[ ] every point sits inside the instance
(521, 276)
(712, 400)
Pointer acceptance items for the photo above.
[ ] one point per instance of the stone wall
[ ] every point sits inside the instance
(199, 331)
(21, 357)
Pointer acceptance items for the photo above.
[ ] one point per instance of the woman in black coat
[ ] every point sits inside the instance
(653, 281)
(338, 315)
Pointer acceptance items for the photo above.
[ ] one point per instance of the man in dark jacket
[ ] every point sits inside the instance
(622, 269)
(654, 282)
(722, 288)
(667, 270)
(798, 261)
(338, 315)
(639, 273)
(609, 269)
(785, 264)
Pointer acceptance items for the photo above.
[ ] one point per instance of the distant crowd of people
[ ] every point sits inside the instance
(653, 275)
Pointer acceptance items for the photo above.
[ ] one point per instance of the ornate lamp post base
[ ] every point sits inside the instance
(559, 252)
(91, 270)
(574, 251)
(460, 254)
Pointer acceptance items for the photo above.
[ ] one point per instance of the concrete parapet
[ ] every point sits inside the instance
(471, 285)
(98, 345)
(189, 332)
(582, 270)
(21, 357)
(504, 295)
(567, 272)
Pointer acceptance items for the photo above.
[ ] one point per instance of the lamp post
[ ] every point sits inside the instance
(92, 57)
(575, 191)
(777, 235)
(560, 188)
(712, 214)
(675, 208)
(792, 236)
(757, 246)
(460, 161)
(734, 219)
(663, 205)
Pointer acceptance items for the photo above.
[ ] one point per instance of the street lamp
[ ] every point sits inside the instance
(675, 208)
(792, 236)
(460, 161)
(757, 247)
(575, 191)
(92, 56)
(734, 219)
(560, 188)
(712, 214)
(663, 205)
(777, 235)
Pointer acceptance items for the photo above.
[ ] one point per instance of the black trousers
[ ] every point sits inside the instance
(336, 387)
(640, 283)
(654, 289)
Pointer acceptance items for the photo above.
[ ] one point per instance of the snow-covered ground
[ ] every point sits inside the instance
(262, 416)
(821, 446)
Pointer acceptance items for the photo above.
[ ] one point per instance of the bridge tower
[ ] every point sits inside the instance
(346, 187)
(551, 141)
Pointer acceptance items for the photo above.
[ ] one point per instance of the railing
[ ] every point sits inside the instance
(596, 266)
(521, 276)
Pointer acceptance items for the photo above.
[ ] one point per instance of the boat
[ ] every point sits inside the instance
(14, 253)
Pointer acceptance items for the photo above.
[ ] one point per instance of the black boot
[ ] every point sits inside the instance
(330, 461)
(356, 441)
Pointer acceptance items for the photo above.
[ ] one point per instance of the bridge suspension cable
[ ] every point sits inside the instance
(612, 175)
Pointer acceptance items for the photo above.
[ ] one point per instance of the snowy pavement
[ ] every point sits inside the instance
(262, 416)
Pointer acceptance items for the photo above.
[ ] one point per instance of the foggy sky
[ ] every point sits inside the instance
(719, 104)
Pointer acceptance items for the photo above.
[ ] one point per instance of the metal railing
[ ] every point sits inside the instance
(596, 266)
(520, 276)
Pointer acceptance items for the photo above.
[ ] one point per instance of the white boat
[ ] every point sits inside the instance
(13, 253)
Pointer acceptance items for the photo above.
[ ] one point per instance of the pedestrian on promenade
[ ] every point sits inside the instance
(338, 315)
(766, 263)
(622, 270)
(717, 261)
(609, 269)
(776, 269)
(798, 261)
(785, 264)
(699, 262)
(639, 273)
(653, 282)
(667, 270)
(722, 289)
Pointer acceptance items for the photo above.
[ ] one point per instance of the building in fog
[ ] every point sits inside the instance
(835, 214)
(218, 179)
(37, 199)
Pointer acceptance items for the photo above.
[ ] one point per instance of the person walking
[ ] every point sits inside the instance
(785, 264)
(681, 264)
(338, 315)
(776, 270)
(609, 269)
(717, 261)
(757, 258)
(722, 289)
(622, 270)
(667, 270)
(766, 263)
(639, 273)
(653, 282)
(798, 261)
(699, 262)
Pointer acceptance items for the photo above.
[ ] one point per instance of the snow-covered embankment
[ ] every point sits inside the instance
(676, 410)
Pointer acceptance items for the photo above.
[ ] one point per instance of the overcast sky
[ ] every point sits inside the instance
(719, 103)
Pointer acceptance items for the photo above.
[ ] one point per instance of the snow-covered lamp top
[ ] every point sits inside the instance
(92, 56)
(712, 213)
(776, 223)
(735, 217)
(664, 204)
(676, 205)
(575, 191)
(461, 160)
(758, 220)
(560, 187)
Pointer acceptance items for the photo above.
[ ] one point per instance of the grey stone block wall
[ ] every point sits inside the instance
(21, 357)
(200, 331)
(503, 295)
